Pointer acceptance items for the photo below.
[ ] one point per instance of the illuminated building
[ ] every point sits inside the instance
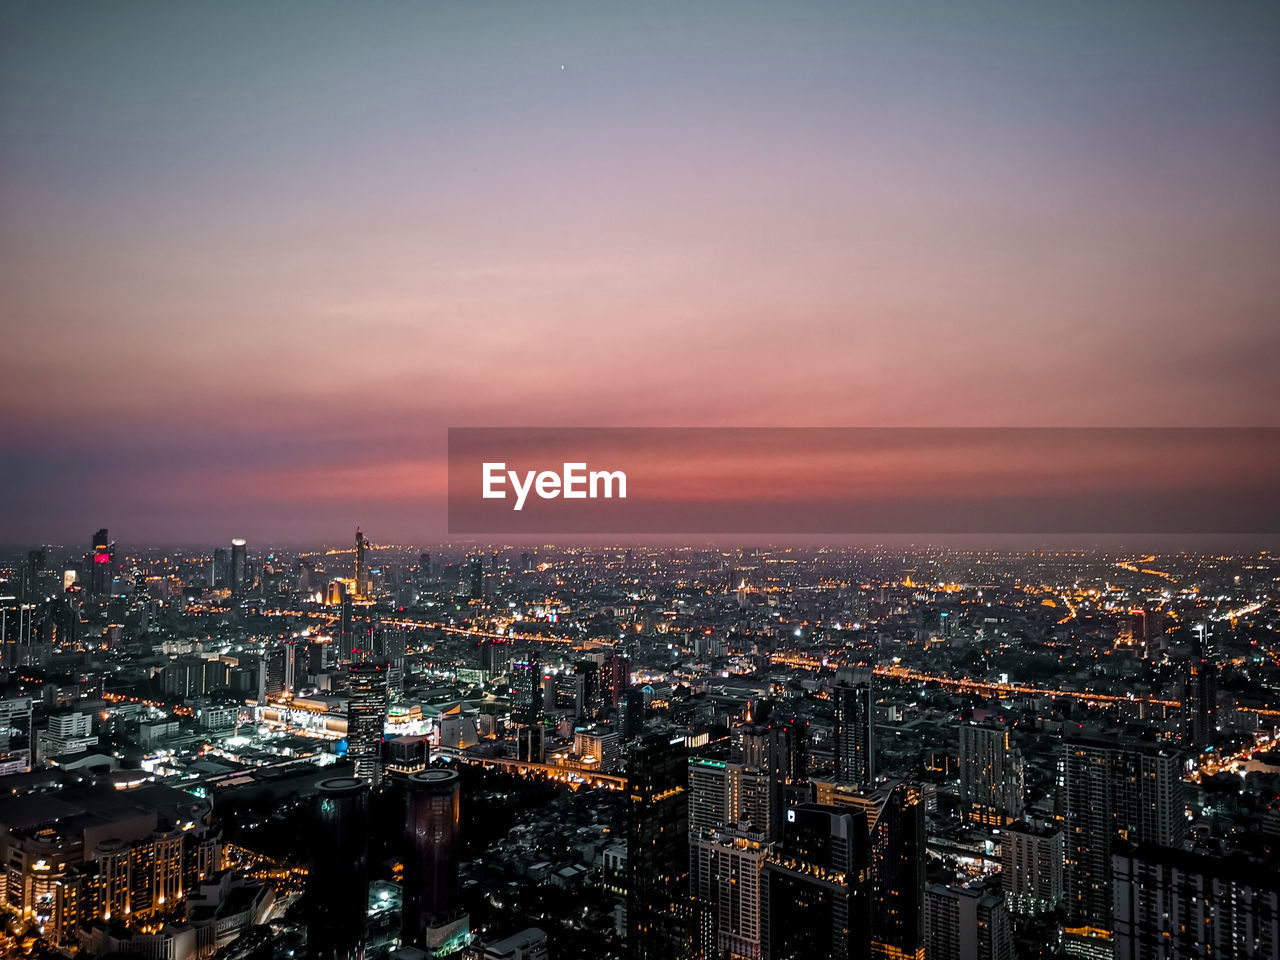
(526, 688)
(366, 717)
(338, 881)
(815, 889)
(362, 567)
(779, 749)
(346, 631)
(16, 735)
(966, 923)
(1112, 790)
(95, 852)
(1189, 906)
(1031, 862)
(897, 873)
(433, 823)
(726, 872)
(102, 562)
(587, 673)
(726, 794)
(1200, 703)
(617, 679)
(239, 571)
(855, 734)
(992, 775)
(657, 847)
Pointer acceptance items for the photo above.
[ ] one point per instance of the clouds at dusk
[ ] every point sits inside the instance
(255, 259)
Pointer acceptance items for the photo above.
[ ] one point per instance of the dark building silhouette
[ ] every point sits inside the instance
(102, 563)
(432, 845)
(346, 630)
(338, 882)
(617, 679)
(657, 848)
(855, 734)
(898, 874)
(239, 568)
(1200, 703)
(362, 565)
(816, 890)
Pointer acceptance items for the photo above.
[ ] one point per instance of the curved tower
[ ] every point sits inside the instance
(432, 839)
(338, 884)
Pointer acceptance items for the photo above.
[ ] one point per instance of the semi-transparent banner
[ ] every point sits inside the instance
(863, 480)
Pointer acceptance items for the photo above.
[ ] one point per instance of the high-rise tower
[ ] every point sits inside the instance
(992, 776)
(1114, 790)
(855, 734)
(362, 567)
(657, 846)
(239, 568)
(433, 823)
(366, 717)
(338, 882)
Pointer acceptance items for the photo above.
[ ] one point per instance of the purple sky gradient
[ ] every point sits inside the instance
(255, 258)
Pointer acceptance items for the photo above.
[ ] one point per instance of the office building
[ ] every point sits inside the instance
(897, 874)
(1200, 704)
(16, 734)
(361, 566)
(102, 564)
(526, 688)
(816, 888)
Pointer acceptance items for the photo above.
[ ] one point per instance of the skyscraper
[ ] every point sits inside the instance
(366, 717)
(992, 775)
(727, 867)
(617, 679)
(657, 846)
(433, 823)
(101, 564)
(346, 630)
(338, 881)
(362, 572)
(855, 734)
(815, 890)
(1112, 790)
(1200, 703)
(723, 795)
(897, 874)
(526, 688)
(1193, 906)
(239, 568)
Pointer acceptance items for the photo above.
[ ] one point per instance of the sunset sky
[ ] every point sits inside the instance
(255, 258)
